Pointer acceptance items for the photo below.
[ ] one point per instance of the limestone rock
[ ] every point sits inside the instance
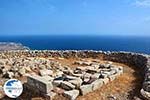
(67, 86)
(42, 67)
(27, 69)
(112, 77)
(84, 89)
(145, 94)
(146, 86)
(57, 82)
(22, 71)
(105, 80)
(96, 75)
(40, 83)
(50, 96)
(46, 72)
(97, 84)
(8, 75)
(77, 82)
(71, 95)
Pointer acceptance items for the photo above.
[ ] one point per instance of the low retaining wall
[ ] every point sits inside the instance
(141, 61)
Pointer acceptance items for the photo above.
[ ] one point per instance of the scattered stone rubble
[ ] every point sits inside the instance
(141, 61)
(21, 66)
(78, 81)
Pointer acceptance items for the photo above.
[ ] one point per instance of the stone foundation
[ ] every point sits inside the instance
(141, 61)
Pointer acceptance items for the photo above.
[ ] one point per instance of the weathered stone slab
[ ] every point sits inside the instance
(105, 80)
(67, 86)
(57, 82)
(77, 82)
(72, 94)
(91, 69)
(97, 84)
(46, 72)
(84, 89)
(81, 68)
(96, 75)
(40, 83)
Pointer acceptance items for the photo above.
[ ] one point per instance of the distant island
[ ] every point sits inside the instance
(12, 46)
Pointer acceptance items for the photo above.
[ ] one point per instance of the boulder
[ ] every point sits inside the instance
(72, 94)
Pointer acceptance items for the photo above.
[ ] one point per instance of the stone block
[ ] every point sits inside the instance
(67, 86)
(145, 94)
(40, 83)
(45, 72)
(97, 84)
(72, 94)
(57, 82)
(77, 82)
(84, 89)
(105, 80)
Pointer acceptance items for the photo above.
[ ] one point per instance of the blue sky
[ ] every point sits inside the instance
(74, 17)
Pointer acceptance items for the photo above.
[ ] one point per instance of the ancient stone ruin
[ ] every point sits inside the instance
(49, 78)
(81, 80)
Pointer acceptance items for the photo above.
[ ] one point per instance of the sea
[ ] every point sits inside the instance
(66, 42)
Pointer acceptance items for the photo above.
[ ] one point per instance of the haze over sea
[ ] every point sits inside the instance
(66, 42)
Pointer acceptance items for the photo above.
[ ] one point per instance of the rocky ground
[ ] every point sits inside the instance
(74, 76)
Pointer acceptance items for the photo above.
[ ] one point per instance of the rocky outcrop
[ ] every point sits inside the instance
(12, 46)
